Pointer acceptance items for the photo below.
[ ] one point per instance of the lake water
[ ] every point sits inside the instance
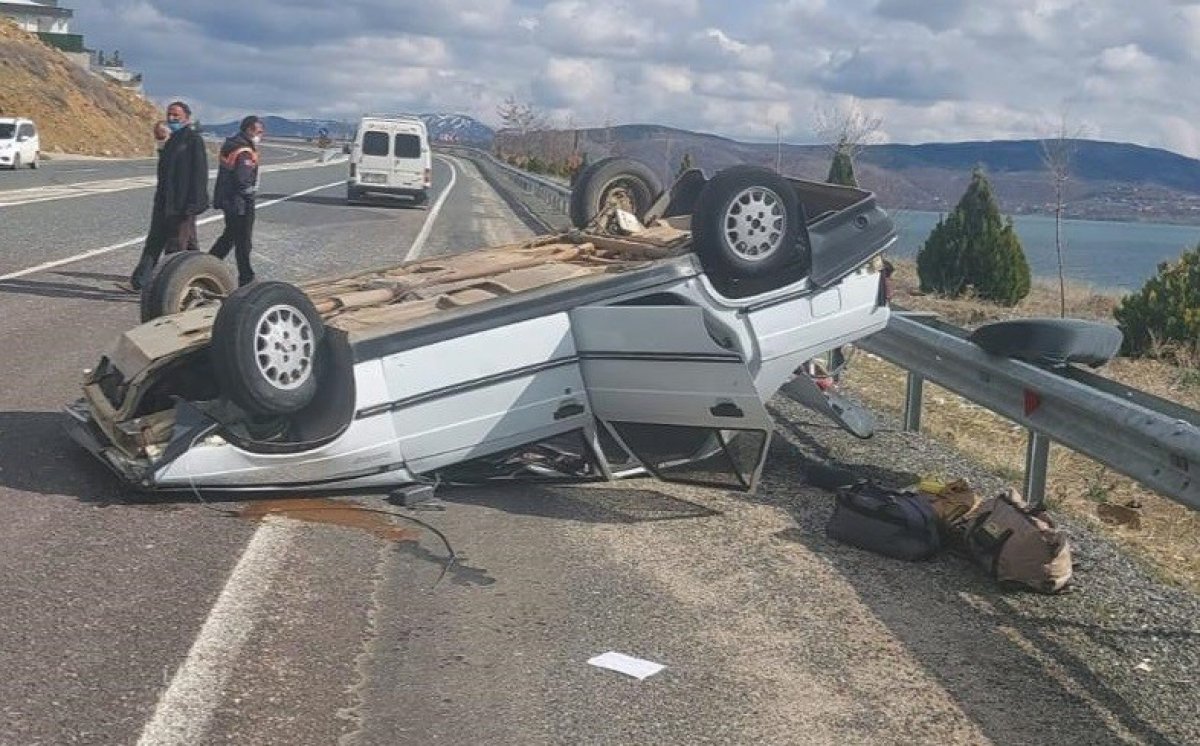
(1106, 254)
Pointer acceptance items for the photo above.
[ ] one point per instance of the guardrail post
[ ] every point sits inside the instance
(912, 403)
(1037, 457)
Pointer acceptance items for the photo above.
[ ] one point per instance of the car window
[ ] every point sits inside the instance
(26, 130)
(7, 130)
(375, 143)
(408, 146)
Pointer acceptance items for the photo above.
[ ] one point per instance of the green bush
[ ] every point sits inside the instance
(841, 170)
(975, 248)
(1166, 311)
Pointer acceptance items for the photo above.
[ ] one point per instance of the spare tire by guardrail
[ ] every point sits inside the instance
(1051, 342)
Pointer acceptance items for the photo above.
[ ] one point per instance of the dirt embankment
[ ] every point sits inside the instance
(76, 112)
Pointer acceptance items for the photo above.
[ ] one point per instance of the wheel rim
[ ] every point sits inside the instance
(200, 292)
(618, 194)
(283, 347)
(754, 223)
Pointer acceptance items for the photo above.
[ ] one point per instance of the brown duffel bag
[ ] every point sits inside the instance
(1018, 544)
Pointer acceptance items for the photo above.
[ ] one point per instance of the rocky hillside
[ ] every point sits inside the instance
(76, 112)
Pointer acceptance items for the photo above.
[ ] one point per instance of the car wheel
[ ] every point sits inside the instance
(34, 163)
(187, 280)
(623, 182)
(746, 222)
(16, 161)
(264, 346)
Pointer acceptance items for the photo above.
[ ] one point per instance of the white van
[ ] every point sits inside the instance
(390, 155)
(19, 144)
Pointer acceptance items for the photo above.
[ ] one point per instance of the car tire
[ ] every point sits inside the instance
(1051, 343)
(265, 344)
(187, 280)
(34, 163)
(746, 223)
(627, 182)
(16, 164)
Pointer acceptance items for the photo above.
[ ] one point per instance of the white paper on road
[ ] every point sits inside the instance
(626, 664)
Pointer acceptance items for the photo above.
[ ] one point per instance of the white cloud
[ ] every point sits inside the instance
(932, 69)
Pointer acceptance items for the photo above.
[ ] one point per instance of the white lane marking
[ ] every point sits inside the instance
(142, 238)
(184, 710)
(419, 242)
(15, 197)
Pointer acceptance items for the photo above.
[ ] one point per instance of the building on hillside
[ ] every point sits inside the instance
(113, 68)
(52, 24)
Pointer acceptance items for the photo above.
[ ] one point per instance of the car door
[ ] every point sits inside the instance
(27, 139)
(482, 393)
(683, 404)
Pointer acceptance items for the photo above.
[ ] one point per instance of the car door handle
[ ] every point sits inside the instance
(569, 409)
(726, 409)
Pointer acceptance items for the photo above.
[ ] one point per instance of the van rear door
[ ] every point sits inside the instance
(408, 160)
(375, 164)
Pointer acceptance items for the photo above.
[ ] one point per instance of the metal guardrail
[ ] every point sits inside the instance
(1151, 440)
(554, 194)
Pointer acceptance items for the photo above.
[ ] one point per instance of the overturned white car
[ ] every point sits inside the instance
(627, 344)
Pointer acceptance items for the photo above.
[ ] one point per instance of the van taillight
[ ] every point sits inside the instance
(428, 177)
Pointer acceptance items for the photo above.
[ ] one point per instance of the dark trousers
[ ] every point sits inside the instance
(170, 233)
(237, 235)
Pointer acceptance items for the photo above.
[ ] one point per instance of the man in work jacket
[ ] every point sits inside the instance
(237, 179)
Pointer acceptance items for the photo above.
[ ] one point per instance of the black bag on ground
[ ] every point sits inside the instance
(889, 522)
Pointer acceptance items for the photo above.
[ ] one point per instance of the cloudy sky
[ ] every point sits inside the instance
(931, 70)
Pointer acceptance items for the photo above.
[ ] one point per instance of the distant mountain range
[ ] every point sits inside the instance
(1108, 181)
(456, 128)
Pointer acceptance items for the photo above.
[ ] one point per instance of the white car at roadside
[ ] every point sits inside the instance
(20, 144)
(647, 339)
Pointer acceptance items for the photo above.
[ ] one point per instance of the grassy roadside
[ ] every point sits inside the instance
(1154, 528)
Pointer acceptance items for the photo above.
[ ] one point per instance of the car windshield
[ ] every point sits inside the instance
(7, 130)
(408, 146)
(375, 143)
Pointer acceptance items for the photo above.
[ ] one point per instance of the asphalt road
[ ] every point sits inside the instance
(124, 619)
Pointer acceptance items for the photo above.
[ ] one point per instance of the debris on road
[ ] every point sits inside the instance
(636, 667)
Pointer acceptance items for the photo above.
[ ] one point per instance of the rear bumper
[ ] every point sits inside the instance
(416, 193)
(84, 431)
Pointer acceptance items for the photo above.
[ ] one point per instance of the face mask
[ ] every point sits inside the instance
(257, 139)
(175, 126)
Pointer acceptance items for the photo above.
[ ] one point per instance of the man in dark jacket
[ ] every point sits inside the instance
(237, 182)
(181, 193)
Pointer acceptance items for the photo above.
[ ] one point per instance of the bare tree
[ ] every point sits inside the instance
(846, 128)
(518, 119)
(1057, 152)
